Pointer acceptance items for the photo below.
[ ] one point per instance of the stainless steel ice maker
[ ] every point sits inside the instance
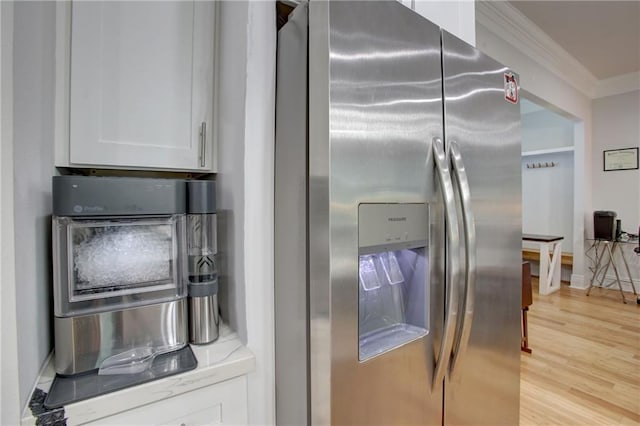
(118, 268)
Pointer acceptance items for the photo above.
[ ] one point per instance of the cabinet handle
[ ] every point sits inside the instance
(203, 143)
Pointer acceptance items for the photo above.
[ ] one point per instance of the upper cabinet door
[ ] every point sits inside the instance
(457, 17)
(141, 84)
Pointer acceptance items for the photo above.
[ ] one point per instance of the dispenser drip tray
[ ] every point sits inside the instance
(66, 390)
(385, 339)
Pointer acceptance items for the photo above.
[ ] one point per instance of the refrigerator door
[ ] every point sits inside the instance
(374, 108)
(482, 117)
(290, 223)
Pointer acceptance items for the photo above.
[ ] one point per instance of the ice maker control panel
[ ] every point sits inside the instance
(392, 226)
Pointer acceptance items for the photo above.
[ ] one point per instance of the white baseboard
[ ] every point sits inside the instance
(624, 282)
(577, 282)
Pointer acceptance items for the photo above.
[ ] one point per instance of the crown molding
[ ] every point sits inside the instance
(617, 85)
(508, 23)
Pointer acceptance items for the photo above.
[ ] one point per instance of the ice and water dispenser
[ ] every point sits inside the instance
(393, 307)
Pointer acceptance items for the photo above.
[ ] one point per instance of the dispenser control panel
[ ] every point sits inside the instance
(392, 226)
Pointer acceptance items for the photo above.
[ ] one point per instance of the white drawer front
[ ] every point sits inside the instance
(224, 403)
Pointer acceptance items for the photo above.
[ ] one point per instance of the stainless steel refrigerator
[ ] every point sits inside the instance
(397, 222)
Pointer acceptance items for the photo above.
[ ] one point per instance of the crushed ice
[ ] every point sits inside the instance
(121, 255)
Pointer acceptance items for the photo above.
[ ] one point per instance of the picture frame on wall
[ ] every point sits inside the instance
(620, 159)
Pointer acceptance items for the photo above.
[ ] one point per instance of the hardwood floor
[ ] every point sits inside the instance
(585, 365)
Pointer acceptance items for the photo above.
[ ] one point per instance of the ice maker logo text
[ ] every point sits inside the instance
(397, 219)
(88, 209)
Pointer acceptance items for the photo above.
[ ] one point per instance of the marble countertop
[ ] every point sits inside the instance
(224, 359)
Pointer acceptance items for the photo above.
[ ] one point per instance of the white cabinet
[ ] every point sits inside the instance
(224, 403)
(457, 17)
(141, 85)
(408, 3)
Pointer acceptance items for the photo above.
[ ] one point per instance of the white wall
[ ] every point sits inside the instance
(545, 129)
(231, 150)
(9, 397)
(259, 213)
(616, 124)
(547, 197)
(245, 187)
(34, 25)
(457, 17)
(553, 91)
(547, 193)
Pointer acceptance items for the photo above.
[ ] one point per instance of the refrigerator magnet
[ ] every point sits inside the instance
(510, 88)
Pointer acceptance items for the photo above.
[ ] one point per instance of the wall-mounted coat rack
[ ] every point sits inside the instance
(541, 165)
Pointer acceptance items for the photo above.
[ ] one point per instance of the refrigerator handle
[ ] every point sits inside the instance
(462, 183)
(453, 261)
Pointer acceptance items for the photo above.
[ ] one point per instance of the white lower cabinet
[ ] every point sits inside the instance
(224, 403)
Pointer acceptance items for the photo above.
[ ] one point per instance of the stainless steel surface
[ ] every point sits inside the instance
(374, 107)
(290, 215)
(370, 130)
(321, 343)
(83, 342)
(386, 227)
(204, 319)
(485, 389)
(469, 294)
(203, 144)
(453, 261)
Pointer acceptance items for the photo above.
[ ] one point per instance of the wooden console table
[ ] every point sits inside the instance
(527, 300)
(550, 252)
